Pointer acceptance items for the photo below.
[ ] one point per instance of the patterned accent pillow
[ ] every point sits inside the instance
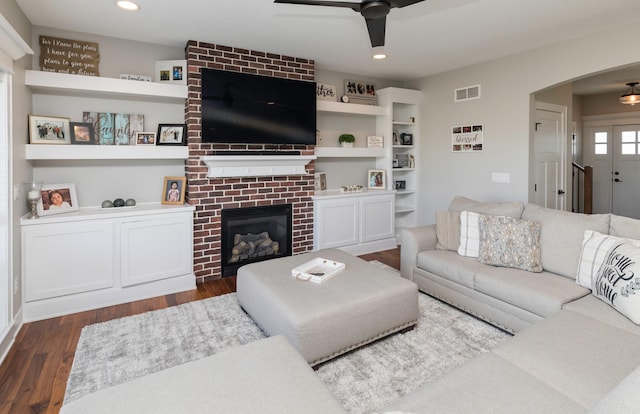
(510, 242)
(595, 246)
(617, 281)
(469, 234)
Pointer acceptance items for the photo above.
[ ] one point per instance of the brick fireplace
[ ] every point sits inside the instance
(211, 195)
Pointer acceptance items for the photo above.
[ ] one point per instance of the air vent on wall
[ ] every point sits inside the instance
(467, 93)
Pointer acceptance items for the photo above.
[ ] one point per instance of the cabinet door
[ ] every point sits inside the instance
(336, 223)
(156, 248)
(66, 258)
(377, 217)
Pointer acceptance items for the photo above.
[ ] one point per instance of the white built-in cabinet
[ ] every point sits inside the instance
(358, 223)
(101, 257)
(396, 116)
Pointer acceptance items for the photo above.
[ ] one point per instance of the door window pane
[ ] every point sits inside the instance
(629, 143)
(601, 143)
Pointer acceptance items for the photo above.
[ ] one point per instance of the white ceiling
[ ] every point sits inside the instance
(423, 39)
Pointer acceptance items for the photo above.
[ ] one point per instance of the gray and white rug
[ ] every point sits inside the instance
(364, 380)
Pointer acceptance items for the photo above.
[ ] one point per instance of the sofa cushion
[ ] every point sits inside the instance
(623, 399)
(593, 307)
(469, 234)
(540, 293)
(561, 235)
(450, 265)
(624, 227)
(617, 281)
(448, 230)
(487, 384)
(511, 209)
(510, 242)
(574, 354)
(594, 248)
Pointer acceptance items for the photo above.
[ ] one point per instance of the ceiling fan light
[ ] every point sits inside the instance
(631, 95)
(379, 53)
(128, 5)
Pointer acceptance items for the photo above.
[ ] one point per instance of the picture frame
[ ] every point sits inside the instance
(400, 184)
(360, 92)
(145, 138)
(173, 190)
(406, 139)
(171, 134)
(375, 141)
(326, 92)
(82, 133)
(376, 179)
(320, 181)
(171, 71)
(49, 130)
(57, 199)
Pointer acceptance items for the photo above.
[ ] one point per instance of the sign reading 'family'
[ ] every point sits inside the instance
(69, 56)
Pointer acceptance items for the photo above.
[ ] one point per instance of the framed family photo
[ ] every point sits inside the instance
(376, 179)
(145, 138)
(173, 190)
(171, 71)
(57, 199)
(49, 130)
(171, 134)
(82, 133)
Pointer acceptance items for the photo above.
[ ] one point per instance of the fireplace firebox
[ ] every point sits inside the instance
(254, 234)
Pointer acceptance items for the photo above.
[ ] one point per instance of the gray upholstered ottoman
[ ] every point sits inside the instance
(357, 306)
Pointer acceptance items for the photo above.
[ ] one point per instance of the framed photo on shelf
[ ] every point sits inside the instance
(376, 179)
(374, 141)
(57, 199)
(145, 138)
(171, 71)
(171, 134)
(406, 139)
(82, 133)
(48, 130)
(400, 184)
(173, 190)
(320, 181)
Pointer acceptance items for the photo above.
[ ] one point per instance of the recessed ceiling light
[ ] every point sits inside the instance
(379, 53)
(127, 5)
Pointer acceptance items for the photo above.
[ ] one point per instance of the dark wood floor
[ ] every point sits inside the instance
(33, 377)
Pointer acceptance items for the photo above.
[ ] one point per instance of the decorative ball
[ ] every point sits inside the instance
(130, 202)
(118, 202)
(107, 204)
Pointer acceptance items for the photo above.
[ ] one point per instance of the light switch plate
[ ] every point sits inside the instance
(501, 177)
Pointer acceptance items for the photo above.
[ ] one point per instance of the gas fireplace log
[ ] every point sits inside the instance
(250, 237)
(250, 245)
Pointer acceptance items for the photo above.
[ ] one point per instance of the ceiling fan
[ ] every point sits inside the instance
(374, 12)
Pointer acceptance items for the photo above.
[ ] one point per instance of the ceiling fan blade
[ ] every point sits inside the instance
(353, 6)
(403, 3)
(376, 29)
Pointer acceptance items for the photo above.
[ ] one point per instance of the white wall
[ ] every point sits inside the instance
(505, 110)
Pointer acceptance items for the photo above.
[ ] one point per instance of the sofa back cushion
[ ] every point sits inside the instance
(448, 230)
(510, 209)
(561, 236)
(624, 227)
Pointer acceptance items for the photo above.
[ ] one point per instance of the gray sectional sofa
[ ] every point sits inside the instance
(572, 352)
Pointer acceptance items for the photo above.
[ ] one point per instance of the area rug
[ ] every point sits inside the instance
(363, 380)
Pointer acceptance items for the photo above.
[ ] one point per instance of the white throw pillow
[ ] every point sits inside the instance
(617, 281)
(469, 234)
(595, 246)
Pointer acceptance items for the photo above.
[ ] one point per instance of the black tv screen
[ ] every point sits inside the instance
(252, 109)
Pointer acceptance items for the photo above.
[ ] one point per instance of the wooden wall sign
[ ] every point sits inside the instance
(69, 56)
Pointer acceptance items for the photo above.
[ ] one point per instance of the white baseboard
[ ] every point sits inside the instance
(9, 337)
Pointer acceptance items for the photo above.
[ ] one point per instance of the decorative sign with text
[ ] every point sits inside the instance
(467, 138)
(69, 56)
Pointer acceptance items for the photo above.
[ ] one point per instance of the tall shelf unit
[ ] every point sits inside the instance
(396, 113)
(100, 257)
(401, 125)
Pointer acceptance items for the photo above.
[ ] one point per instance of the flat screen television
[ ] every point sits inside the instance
(253, 109)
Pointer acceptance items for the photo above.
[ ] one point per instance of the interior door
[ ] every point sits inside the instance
(625, 200)
(548, 158)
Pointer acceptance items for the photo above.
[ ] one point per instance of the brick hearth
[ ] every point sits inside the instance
(211, 195)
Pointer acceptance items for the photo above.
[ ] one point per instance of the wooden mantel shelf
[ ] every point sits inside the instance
(256, 165)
